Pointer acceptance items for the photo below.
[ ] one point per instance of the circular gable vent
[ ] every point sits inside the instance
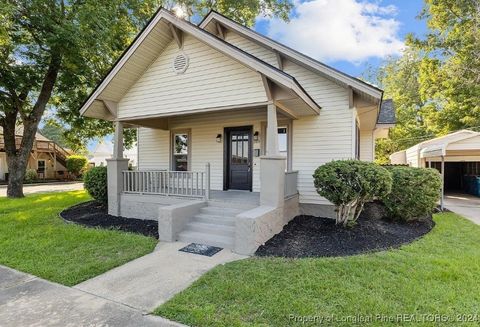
(180, 63)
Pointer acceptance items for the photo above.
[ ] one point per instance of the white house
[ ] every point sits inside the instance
(104, 150)
(231, 126)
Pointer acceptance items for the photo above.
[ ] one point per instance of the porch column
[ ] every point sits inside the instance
(115, 166)
(272, 165)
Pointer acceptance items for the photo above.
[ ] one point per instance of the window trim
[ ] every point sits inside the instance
(189, 147)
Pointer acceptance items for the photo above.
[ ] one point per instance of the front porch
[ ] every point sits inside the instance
(247, 198)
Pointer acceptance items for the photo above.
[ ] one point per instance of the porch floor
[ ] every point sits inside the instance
(235, 196)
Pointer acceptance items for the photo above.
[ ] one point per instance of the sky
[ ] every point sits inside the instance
(349, 35)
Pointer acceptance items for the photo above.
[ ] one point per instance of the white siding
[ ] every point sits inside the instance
(472, 143)
(366, 146)
(154, 145)
(412, 156)
(252, 47)
(211, 80)
(320, 139)
(153, 148)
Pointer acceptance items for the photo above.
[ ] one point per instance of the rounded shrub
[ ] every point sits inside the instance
(76, 164)
(95, 182)
(415, 193)
(30, 175)
(349, 184)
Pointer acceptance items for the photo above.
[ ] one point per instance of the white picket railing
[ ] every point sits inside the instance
(164, 182)
(291, 178)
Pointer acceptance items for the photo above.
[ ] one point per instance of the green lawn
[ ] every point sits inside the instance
(438, 274)
(34, 239)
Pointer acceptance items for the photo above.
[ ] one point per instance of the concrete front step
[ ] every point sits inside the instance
(217, 220)
(220, 211)
(189, 236)
(208, 228)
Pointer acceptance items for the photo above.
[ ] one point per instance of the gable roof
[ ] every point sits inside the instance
(387, 112)
(163, 18)
(329, 72)
(19, 132)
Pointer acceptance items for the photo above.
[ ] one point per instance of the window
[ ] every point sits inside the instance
(282, 140)
(180, 147)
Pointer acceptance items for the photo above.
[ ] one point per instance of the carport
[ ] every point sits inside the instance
(457, 157)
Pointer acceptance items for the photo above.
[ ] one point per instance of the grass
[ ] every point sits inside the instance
(438, 274)
(34, 239)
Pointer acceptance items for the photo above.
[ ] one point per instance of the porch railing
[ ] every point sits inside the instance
(164, 182)
(291, 178)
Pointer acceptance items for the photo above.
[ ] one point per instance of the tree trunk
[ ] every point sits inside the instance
(16, 173)
(17, 159)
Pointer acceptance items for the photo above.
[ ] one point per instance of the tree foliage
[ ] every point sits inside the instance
(435, 84)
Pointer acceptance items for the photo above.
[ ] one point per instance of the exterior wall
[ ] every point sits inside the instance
(211, 80)
(251, 47)
(412, 155)
(154, 145)
(320, 139)
(3, 166)
(472, 143)
(33, 164)
(398, 158)
(367, 143)
(144, 206)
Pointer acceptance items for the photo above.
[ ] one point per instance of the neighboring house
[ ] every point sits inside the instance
(456, 156)
(104, 150)
(47, 158)
(233, 119)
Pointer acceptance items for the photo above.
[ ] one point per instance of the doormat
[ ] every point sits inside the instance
(201, 249)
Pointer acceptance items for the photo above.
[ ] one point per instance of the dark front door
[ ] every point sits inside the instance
(238, 159)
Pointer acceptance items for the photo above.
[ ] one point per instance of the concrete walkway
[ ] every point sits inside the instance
(26, 300)
(465, 205)
(151, 280)
(47, 187)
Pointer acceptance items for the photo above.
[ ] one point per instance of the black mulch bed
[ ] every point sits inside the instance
(307, 236)
(94, 214)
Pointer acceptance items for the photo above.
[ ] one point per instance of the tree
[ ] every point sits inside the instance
(399, 77)
(435, 84)
(450, 67)
(55, 52)
(55, 132)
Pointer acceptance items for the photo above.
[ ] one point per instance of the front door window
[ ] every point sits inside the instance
(180, 151)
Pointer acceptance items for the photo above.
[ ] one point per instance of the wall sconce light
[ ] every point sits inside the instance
(255, 136)
(219, 138)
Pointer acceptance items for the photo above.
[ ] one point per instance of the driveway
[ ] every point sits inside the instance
(47, 187)
(26, 300)
(465, 205)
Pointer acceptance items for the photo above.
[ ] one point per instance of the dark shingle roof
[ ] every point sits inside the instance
(387, 113)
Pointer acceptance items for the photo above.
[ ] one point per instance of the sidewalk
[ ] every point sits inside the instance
(148, 281)
(26, 300)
